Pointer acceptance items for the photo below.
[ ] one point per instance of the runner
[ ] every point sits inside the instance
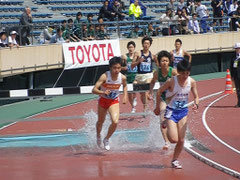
(107, 87)
(131, 73)
(178, 53)
(178, 89)
(163, 73)
(144, 62)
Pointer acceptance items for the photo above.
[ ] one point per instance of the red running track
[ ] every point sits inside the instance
(143, 163)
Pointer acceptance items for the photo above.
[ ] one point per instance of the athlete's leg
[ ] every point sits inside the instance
(172, 131)
(181, 127)
(101, 118)
(114, 114)
(163, 124)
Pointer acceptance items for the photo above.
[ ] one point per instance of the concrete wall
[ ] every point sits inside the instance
(52, 54)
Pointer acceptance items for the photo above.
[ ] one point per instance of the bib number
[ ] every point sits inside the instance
(112, 95)
(145, 67)
(130, 69)
(179, 104)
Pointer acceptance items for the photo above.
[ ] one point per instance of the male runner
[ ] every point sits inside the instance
(144, 61)
(178, 89)
(107, 87)
(130, 73)
(178, 53)
(163, 73)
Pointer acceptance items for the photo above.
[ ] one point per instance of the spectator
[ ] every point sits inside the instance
(105, 13)
(77, 28)
(143, 8)
(233, 8)
(217, 11)
(69, 33)
(135, 33)
(184, 21)
(176, 27)
(46, 35)
(191, 7)
(235, 21)
(12, 39)
(193, 24)
(64, 25)
(3, 39)
(101, 34)
(91, 32)
(84, 32)
(89, 19)
(171, 6)
(150, 31)
(135, 10)
(117, 10)
(122, 4)
(202, 12)
(226, 6)
(26, 23)
(57, 38)
(181, 4)
(166, 19)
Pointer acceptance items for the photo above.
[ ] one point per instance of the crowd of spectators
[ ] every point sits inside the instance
(188, 17)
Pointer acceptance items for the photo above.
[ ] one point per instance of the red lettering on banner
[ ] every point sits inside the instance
(72, 49)
(110, 51)
(87, 51)
(93, 54)
(79, 60)
(103, 46)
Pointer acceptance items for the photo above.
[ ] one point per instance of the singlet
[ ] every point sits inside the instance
(145, 66)
(177, 57)
(112, 85)
(162, 79)
(129, 62)
(179, 96)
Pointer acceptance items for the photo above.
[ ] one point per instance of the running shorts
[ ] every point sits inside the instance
(106, 103)
(175, 115)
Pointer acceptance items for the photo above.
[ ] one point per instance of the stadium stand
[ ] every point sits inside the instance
(59, 10)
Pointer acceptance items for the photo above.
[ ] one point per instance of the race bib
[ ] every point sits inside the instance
(145, 67)
(134, 70)
(113, 94)
(179, 104)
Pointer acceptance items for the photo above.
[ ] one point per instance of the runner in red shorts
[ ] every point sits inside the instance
(107, 87)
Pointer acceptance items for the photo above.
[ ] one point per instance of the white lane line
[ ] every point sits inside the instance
(210, 131)
(188, 148)
(7, 125)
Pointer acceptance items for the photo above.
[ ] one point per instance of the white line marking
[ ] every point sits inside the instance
(8, 125)
(210, 131)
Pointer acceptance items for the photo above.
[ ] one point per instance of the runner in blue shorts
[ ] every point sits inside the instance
(178, 89)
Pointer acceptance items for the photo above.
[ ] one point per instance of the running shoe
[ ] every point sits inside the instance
(166, 146)
(133, 110)
(99, 141)
(176, 164)
(135, 102)
(106, 144)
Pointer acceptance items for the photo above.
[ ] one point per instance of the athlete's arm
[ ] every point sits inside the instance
(152, 83)
(96, 88)
(166, 85)
(124, 83)
(124, 59)
(174, 72)
(188, 55)
(135, 60)
(195, 94)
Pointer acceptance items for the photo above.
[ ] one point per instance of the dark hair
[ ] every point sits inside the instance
(78, 14)
(89, 15)
(163, 54)
(194, 14)
(147, 38)
(178, 40)
(99, 18)
(70, 20)
(184, 65)
(59, 29)
(131, 43)
(64, 21)
(115, 60)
